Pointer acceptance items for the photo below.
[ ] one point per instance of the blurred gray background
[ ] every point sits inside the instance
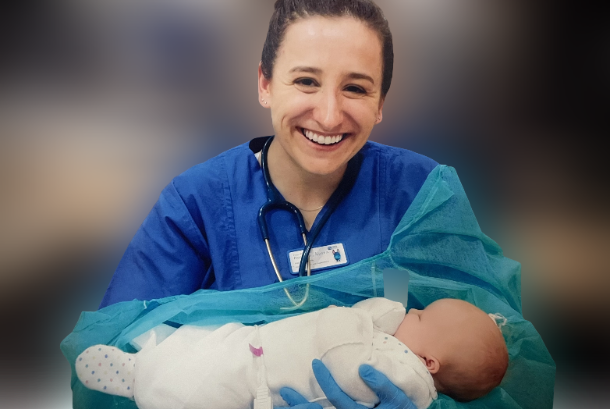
(103, 102)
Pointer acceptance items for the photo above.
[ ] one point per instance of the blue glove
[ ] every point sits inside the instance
(390, 397)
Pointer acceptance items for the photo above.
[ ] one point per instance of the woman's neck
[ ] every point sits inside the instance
(308, 192)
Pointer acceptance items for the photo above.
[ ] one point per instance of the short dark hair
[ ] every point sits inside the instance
(287, 11)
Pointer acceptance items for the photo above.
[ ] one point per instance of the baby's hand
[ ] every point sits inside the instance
(332, 306)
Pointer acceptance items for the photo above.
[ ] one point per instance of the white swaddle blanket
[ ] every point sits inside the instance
(196, 367)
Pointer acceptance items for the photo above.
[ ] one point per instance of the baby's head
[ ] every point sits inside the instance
(461, 346)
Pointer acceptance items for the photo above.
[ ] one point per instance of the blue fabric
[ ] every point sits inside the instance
(203, 233)
(438, 242)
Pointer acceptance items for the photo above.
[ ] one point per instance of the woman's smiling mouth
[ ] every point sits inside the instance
(322, 139)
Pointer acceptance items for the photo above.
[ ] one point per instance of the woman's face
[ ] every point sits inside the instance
(325, 92)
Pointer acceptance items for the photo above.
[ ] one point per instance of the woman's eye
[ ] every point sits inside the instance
(355, 89)
(307, 82)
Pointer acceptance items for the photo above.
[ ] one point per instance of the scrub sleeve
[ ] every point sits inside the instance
(203, 231)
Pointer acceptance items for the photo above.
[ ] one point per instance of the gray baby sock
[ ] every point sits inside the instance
(107, 369)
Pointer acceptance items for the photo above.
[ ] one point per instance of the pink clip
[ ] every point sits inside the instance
(256, 351)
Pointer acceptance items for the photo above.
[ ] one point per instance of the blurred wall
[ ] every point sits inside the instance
(103, 102)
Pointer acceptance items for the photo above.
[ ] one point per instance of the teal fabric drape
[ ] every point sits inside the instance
(438, 243)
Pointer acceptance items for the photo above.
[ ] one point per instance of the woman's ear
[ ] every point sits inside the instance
(264, 84)
(380, 112)
(432, 364)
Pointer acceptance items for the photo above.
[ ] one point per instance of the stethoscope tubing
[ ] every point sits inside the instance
(276, 201)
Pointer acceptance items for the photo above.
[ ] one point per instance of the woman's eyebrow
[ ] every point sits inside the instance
(318, 71)
(306, 69)
(358, 76)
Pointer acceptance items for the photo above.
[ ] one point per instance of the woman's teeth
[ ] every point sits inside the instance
(321, 139)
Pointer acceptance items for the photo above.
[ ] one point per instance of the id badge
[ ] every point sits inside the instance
(322, 257)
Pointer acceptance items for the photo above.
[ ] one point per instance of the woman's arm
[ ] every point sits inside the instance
(167, 256)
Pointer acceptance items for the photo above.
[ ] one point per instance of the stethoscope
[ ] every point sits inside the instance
(276, 201)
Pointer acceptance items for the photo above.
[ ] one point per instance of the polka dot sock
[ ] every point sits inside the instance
(107, 369)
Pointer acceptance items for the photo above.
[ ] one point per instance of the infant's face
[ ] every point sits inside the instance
(445, 329)
(436, 329)
(421, 330)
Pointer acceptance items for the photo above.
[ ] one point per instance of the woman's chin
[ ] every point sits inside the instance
(323, 168)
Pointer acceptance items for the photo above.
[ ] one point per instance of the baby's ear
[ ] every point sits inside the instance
(432, 364)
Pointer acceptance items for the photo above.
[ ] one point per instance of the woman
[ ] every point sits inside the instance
(325, 71)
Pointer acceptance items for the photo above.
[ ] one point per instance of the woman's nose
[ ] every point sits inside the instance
(329, 113)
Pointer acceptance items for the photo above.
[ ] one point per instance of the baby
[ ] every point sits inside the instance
(451, 346)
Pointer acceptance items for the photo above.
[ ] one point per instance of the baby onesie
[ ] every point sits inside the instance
(197, 368)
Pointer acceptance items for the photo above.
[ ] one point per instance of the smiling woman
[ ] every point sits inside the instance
(325, 71)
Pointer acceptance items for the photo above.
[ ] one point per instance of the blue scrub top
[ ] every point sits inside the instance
(203, 231)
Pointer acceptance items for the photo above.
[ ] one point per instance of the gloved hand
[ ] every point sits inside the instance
(390, 397)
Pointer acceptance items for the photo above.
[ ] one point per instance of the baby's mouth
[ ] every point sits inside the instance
(322, 139)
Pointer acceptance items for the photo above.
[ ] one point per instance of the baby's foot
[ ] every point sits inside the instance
(107, 369)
